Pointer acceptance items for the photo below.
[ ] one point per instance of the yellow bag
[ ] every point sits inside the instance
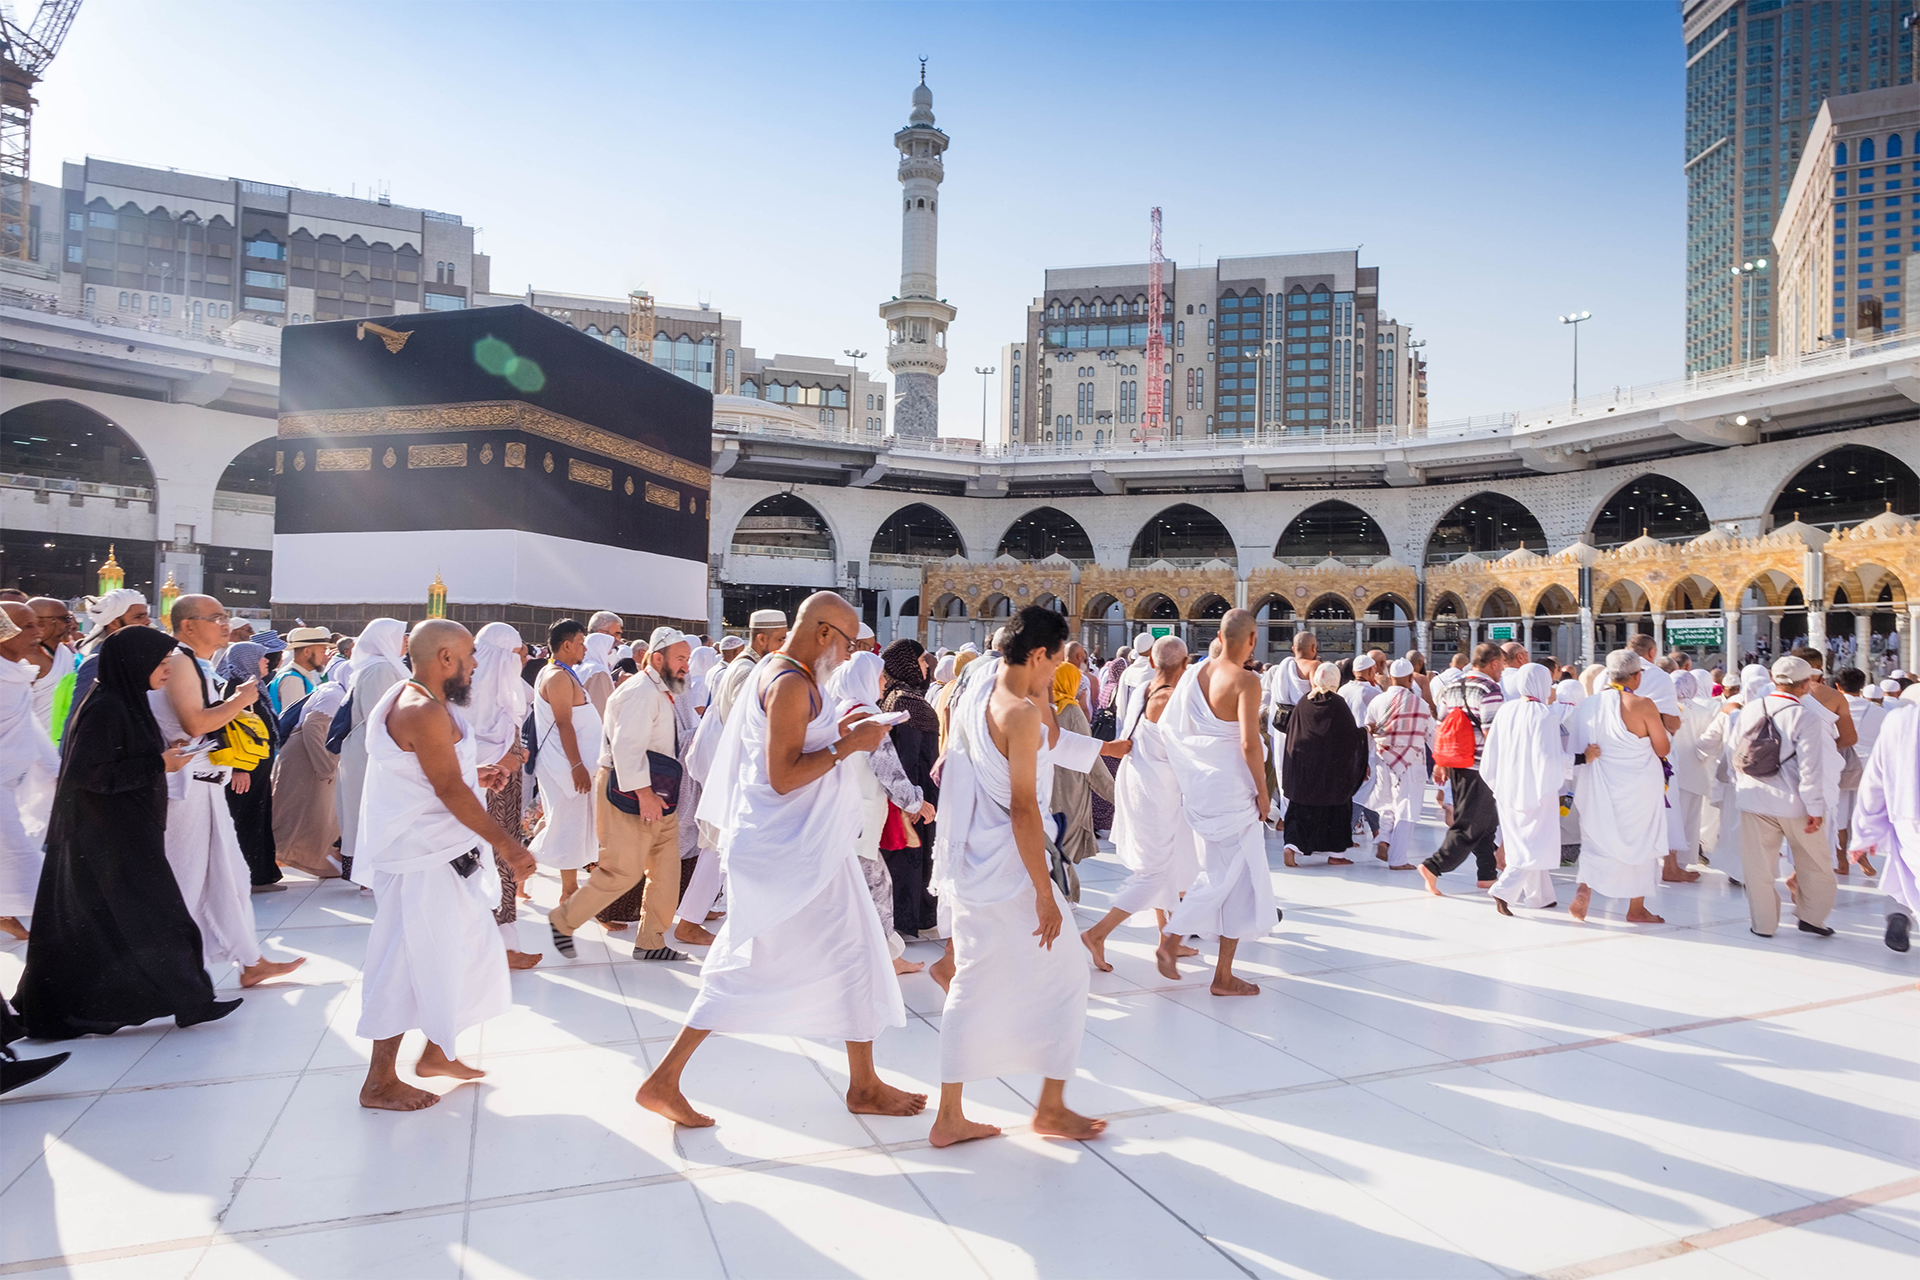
(246, 742)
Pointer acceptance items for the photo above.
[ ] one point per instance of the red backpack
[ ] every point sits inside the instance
(1453, 744)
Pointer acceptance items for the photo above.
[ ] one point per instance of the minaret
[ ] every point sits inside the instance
(917, 319)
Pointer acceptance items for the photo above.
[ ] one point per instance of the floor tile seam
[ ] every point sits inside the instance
(1735, 1232)
(96, 1096)
(1094, 1149)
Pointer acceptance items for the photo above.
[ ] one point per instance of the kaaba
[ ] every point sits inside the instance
(520, 461)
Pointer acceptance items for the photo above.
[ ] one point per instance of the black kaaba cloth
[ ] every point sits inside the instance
(521, 460)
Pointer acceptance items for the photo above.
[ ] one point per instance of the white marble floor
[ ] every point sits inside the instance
(1422, 1088)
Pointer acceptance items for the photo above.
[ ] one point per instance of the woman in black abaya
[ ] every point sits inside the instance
(1326, 763)
(113, 945)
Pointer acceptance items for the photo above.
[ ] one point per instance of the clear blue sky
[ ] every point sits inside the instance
(1501, 163)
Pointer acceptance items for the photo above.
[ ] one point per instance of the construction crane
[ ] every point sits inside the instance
(640, 324)
(25, 53)
(1152, 425)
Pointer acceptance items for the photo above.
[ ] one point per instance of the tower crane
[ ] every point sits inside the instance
(25, 53)
(1153, 424)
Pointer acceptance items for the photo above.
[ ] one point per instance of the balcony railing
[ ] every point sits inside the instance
(85, 488)
(112, 318)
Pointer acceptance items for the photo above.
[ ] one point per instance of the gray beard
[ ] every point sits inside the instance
(823, 667)
(675, 684)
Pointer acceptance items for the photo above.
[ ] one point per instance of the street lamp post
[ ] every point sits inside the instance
(1576, 319)
(1744, 271)
(984, 373)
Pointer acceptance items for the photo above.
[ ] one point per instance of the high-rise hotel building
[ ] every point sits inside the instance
(1757, 72)
(1291, 342)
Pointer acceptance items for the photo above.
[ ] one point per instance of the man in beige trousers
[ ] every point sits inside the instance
(1787, 804)
(639, 720)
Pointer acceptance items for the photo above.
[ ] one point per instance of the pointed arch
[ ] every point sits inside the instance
(1847, 485)
(1332, 528)
(783, 525)
(1656, 505)
(1183, 533)
(1045, 531)
(66, 440)
(1486, 523)
(914, 533)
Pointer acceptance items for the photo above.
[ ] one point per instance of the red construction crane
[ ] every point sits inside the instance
(1152, 422)
(25, 53)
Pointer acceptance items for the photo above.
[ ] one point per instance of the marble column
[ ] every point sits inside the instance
(1526, 632)
(1420, 636)
(1863, 642)
(1730, 661)
(1587, 657)
(1359, 636)
(1659, 632)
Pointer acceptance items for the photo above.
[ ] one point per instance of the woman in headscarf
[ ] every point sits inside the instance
(1567, 696)
(596, 669)
(1525, 763)
(1072, 802)
(943, 696)
(306, 823)
(250, 792)
(113, 945)
(1326, 761)
(495, 712)
(379, 663)
(917, 743)
(879, 780)
(700, 663)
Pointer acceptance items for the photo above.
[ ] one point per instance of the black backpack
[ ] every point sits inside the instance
(1758, 754)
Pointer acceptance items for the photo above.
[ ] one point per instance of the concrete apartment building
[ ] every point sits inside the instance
(183, 251)
(1276, 342)
(1842, 246)
(1757, 72)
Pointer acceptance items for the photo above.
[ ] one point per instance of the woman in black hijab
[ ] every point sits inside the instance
(1325, 765)
(917, 742)
(113, 945)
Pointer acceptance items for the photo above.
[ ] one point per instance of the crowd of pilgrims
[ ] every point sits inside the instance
(799, 805)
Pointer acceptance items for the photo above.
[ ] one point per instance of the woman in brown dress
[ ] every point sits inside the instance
(306, 821)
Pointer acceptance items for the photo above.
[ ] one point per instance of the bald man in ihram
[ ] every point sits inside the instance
(801, 952)
(1212, 731)
(435, 961)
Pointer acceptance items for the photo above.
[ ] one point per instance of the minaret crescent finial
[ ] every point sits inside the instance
(923, 71)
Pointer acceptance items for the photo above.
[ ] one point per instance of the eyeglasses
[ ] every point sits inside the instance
(843, 635)
(221, 618)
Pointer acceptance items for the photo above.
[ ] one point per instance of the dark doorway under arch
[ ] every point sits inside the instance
(1183, 533)
(1848, 485)
(783, 525)
(1485, 524)
(1653, 505)
(917, 532)
(65, 440)
(251, 470)
(1337, 529)
(1043, 531)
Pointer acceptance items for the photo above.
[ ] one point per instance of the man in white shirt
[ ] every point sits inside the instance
(1789, 804)
(639, 727)
(1137, 676)
(766, 632)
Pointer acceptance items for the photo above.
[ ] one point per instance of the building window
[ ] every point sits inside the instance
(266, 249)
(223, 311)
(444, 302)
(90, 296)
(252, 303)
(266, 279)
(75, 254)
(106, 220)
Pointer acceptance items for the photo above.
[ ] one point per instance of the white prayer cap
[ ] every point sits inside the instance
(1912, 694)
(943, 672)
(1364, 663)
(664, 636)
(1400, 669)
(731, 642)
(1143, 642)
(1890, 686)
(1874, 693)
(767, 620)
(1788, 669)
(1897, 674)
(1622, 663)
(866, 632)
(970, 647)
(624, 652)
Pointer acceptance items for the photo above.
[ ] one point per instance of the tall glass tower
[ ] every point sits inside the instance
(1757, 72)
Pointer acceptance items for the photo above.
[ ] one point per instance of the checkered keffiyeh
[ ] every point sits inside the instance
(1404, 728)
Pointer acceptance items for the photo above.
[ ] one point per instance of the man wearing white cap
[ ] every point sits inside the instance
(1886, 816)
(1400, 728)
(1137, 676)
(638, 767)
(1621, 794)
(1781, 754)
(866, 641)
(766, 632)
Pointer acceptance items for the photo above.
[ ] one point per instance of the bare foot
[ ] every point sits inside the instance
(904, 966)
(692, 934)
(1290, 853)
(1501, 906)
(941, 971)
(254, 974)
(1339, 862)
(961, 1130)
(1403, 866)
(714, 915)
(1840, 867)
(882, 1099)
(522, 959)
(1164, 956)
(1578, 907)
(1380, 851)
(13, 928)
(1097, 949)
(396, 1095)
(1671, 872)
(1433, 881)
(617, 926)
(1183, 951)
(1793, 887)
(664, 1100)
(438, 1064)
(1865, 866)
(1640, 915)
(1232, 986)
(1062, 1123)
